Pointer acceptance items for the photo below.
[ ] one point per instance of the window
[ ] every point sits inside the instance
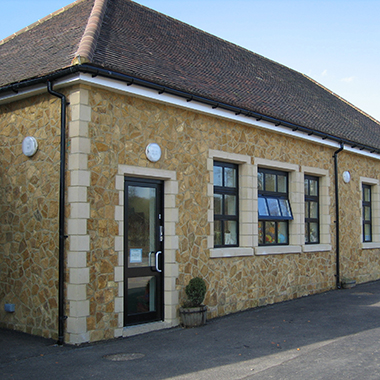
(367, 213)
(311, 210)
(226, 205)
(274, 208)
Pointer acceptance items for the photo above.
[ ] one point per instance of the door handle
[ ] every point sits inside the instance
(157, 254)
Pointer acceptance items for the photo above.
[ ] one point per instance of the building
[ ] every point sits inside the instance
(137, 152)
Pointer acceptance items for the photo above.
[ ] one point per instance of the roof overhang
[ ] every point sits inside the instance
(85, 74)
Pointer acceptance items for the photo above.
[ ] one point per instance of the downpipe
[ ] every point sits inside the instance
(337, 274)
(62, 237)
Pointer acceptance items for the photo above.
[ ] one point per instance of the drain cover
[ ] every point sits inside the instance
(123, 357)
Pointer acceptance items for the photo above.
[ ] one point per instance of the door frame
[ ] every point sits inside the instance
(171, 245)
(156, 270)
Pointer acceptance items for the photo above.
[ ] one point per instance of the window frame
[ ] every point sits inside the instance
(308, 220)
(225, 191)
(277, 194)
(365, 222)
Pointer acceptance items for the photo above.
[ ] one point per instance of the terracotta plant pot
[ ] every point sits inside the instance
(193, 316)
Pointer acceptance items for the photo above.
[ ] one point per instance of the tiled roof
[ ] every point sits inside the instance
(128, 38)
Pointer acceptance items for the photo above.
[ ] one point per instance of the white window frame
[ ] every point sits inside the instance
(375, 204)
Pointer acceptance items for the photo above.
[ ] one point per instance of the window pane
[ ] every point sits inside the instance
(306, 184)
(282, 233)
(261, 233)
(282, 183)
(307, 213)
(285, 208)
(307, 233)
(367, 194)
(230, 204)
(263, 209)
(217, 232)
(367, 232)
(314, 232)
(313, 210)
(270, 182)
(367, 213)
(229, 177)
(274, 208)
(230, 234)
(218, 204)
(313, 187)
(260, 181)
(218, 171)
(270, 232)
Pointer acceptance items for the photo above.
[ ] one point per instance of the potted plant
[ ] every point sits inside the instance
(193, 313)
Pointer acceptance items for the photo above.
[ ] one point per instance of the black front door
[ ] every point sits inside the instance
(143, 251)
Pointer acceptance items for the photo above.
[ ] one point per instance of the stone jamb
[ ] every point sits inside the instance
(171, 244)
(375, 192)
(247, 207)
(79, 239)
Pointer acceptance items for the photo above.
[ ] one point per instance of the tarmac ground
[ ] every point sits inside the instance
(324, 336)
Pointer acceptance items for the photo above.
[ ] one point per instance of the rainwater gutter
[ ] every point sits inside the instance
(337, 248)
(130, 80)
(62, 237)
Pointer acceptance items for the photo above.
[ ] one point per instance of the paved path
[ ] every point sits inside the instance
(326, 336)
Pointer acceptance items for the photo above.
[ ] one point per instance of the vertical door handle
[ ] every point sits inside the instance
(158, 254)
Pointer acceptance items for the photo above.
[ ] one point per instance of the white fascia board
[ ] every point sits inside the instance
(148, 93)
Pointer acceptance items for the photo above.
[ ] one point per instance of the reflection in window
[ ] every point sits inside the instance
(225, 204)
(311, 210)
(274, 207)
(367, 213)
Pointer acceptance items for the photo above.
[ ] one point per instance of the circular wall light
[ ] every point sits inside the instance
(29, 146)
(153, 152)
(346, 176)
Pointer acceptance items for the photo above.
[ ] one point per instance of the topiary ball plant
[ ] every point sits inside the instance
(195, 291)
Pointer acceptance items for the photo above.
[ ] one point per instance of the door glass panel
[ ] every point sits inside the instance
(141, 226)
(141, 294)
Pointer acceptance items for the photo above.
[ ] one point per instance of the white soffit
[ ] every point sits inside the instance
(154, 95)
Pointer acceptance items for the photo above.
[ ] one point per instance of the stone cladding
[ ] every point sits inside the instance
(29, 215)
(109, 130)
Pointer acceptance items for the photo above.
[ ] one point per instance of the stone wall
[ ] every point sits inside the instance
(29, 215)
(122, 126)
(107, 130)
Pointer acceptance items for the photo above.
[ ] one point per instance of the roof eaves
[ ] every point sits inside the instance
(48, 17)
(89, 40)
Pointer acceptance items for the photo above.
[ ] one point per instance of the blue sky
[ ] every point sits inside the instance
(335, 42)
